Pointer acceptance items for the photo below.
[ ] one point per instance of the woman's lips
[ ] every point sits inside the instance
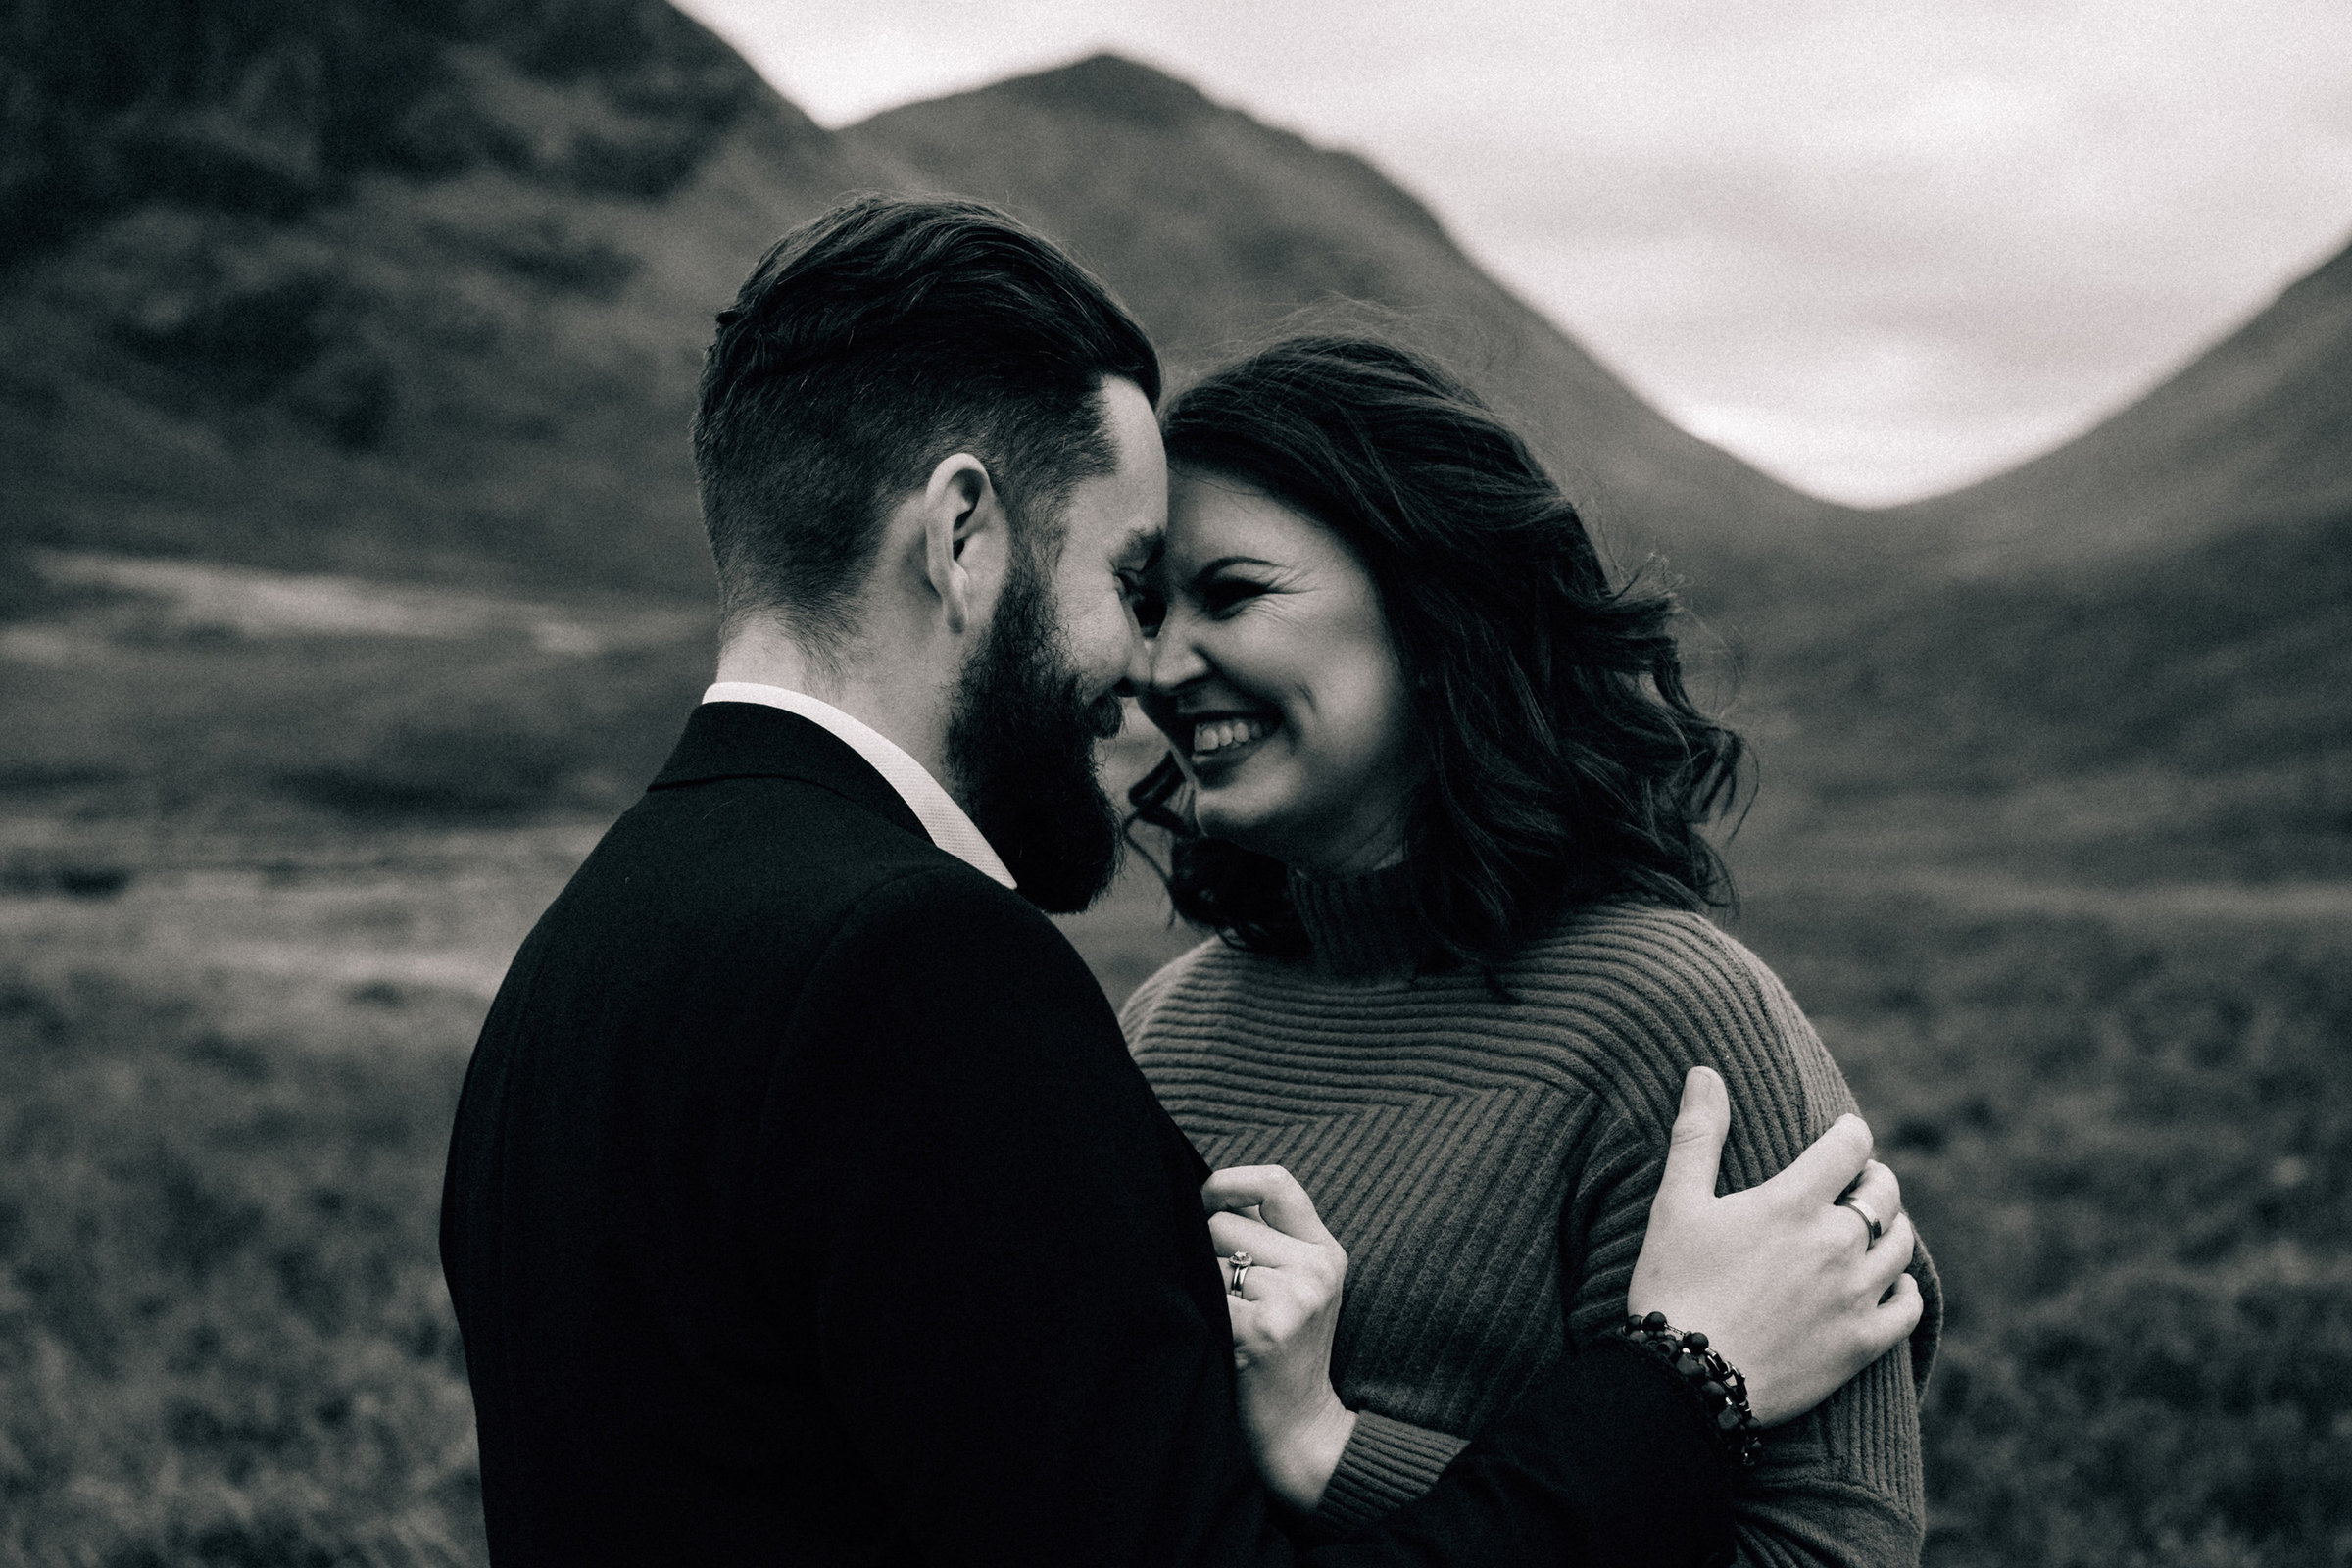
(1228, 737)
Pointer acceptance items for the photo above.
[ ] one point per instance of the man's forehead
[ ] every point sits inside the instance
(1133, 428)
(1130, 508)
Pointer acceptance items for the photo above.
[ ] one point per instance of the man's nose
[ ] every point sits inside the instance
(1136, 677)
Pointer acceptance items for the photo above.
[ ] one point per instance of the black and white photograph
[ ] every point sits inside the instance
(1175, 784)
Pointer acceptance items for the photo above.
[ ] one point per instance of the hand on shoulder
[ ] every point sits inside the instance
(1799, 1281)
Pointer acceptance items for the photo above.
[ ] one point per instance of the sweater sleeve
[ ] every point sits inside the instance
(1838, 1487)
(1386, 1464)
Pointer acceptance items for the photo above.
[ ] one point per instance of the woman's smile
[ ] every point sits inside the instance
(1223, 741)
(1275, 680)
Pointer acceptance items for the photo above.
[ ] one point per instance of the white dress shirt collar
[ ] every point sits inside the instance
(932, 806)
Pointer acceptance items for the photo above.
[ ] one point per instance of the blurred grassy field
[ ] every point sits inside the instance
(2127, 1137)
(257, 883)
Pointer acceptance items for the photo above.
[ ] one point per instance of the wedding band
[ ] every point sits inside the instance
(1870, 1219)
(1242, 1263)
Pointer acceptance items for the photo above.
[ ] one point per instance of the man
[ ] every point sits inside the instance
(802, 1205)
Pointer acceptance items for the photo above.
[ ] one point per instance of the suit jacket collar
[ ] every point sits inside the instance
(751, 740)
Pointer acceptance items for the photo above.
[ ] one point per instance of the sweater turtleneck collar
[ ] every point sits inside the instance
(1360, 927)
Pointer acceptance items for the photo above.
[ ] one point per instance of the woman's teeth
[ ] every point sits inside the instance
(1219, 733)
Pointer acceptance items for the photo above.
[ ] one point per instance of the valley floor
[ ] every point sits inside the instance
(2122, 1120)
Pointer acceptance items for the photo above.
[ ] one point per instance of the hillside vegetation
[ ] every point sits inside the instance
(407, 288)
(2178, 715)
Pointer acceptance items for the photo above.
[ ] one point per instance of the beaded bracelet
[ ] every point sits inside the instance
(1721, 1388)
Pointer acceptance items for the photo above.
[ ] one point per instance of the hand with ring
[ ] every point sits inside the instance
(1798, 1282)
(1852, 1199)
(1284, 1277)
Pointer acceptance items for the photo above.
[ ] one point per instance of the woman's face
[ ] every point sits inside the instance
(1275, 680)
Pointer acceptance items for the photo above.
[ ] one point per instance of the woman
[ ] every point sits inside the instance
(1435, 783)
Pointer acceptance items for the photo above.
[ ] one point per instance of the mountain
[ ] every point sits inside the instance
(2258, 429)
(2137, 643)
(397, 287)
(422, 287)
(1217, 230)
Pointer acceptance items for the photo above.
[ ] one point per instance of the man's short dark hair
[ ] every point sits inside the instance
(868, 344)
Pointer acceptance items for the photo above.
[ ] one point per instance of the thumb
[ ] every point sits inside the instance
(1273, 1192)
(1697, 1152)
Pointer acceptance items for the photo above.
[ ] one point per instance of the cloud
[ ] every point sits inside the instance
(1877, 246)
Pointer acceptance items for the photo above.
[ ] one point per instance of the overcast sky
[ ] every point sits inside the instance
(1878, 247)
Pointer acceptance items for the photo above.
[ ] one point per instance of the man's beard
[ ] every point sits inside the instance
(1020, 753)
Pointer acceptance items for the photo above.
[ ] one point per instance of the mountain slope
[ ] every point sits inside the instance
(389, 287)
(2138, 644)
(2177, 713)
(1215, 228)
(2259, 427)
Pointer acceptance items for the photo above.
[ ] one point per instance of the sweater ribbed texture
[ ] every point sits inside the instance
(1362, 926)
(1472, 1151)
(1389, 1464)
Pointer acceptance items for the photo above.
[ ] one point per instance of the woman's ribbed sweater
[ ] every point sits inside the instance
(1470, 1152)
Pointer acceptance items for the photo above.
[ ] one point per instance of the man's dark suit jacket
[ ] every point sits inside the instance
(804, 1207)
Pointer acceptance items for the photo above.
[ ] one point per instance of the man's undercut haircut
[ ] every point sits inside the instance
(870, 343)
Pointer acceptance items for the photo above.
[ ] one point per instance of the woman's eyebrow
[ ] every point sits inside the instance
(1211, 568)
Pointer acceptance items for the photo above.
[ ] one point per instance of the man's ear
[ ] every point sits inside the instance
(963, 538)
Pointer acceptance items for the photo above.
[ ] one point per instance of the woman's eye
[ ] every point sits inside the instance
(1228, 594)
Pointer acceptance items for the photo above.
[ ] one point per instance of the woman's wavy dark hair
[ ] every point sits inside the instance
(1566, 764)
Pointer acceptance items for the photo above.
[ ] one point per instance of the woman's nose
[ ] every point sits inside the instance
(1170, 659)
